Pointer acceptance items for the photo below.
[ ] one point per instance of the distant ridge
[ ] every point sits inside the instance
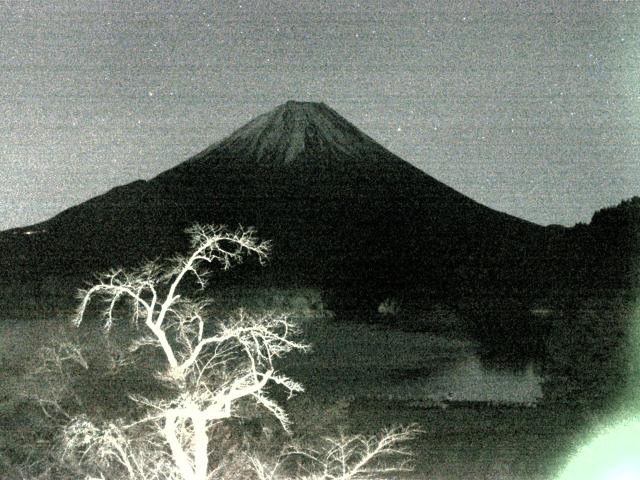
(343, 212)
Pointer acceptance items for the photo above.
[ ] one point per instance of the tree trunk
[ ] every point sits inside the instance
(200, 447)
(179, 456)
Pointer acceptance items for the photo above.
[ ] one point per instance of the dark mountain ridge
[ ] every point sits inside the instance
(343, 212)
(604, 254)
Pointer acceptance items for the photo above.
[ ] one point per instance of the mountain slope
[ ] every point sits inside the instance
(342, 212)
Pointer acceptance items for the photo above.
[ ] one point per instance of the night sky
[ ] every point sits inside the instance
(532, 108)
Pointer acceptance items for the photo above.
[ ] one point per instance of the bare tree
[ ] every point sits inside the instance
(210, 367)
(348, 457)
(212, 370)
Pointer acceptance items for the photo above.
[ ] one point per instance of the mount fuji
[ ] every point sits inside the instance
(342, 211)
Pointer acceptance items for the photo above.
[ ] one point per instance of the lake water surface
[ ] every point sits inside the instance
(359, 360)
(356, 360)
(469, 380)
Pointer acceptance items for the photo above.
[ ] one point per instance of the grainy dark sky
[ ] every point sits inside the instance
(530, 107)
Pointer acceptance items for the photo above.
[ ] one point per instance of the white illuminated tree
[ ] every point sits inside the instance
(348, 457)
(210, 367)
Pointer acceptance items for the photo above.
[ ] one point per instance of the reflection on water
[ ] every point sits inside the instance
(464, 378)
(357, 360)
(470, 380)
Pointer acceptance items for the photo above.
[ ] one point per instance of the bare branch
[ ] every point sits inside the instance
(213, 369)
(357, 457)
